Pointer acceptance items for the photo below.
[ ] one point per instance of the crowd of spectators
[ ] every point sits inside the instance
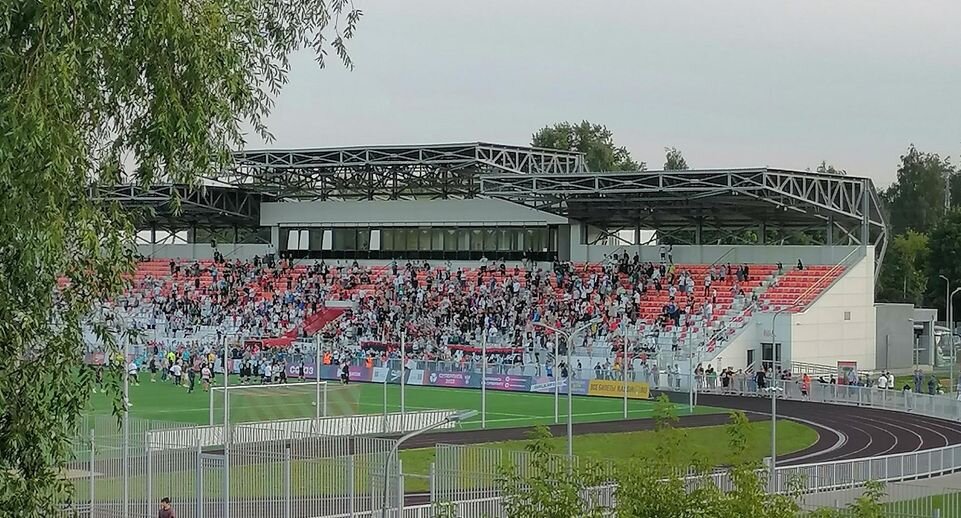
(431, 307)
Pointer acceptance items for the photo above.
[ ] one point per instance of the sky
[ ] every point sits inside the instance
(730, 83)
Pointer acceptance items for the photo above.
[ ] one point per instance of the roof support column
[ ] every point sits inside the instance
(192, 239)
(829, 235)
(762, 236)
(698, 231)
(275, 237)
(865, 211)
(153, 240)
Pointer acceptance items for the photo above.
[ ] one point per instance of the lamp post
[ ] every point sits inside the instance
(484, 375)
(947, 310)
(951, 331)
(774, 394)
(454, 418)
(570, 398)
(125, 336)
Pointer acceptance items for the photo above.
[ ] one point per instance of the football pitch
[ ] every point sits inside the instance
(164, 401)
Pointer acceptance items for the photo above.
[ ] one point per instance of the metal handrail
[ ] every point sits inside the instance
(725, 254)
(817, 283)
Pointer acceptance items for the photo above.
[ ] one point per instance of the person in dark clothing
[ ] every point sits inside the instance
(166, 510)
(192, 378)
(345, 374)
(761, 380)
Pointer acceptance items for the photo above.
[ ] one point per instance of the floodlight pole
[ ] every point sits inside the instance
(556, 380)
(623, 365)
(951, 331)
(403, 367)
(318, 342)
(570, 395)
(455, 418)
(126, 417)
(947, 323)
(773, 384)
(484, 374)
(226, 430)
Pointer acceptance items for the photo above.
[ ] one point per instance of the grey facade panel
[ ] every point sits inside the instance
(404, 212)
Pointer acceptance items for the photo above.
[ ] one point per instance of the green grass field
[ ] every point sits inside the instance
(704, 444)
(166, 402)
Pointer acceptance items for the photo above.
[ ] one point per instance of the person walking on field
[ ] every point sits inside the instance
(205, 377)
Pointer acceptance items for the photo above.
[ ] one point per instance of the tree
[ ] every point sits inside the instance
(945, 249)
(674, 160)
(88, 87)
(825, 168)
(955, 189)
(550, 487)
(594, 140)
(661, 485)
(916, 199)
(904, 275)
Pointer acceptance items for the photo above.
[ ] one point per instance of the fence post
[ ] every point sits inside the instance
(350, 485)
(92, 454)
(200, 482)
(432, 481)
(149, 476)
(400, 488)
(287, 481)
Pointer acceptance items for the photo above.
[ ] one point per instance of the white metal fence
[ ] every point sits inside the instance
(262, 472)
(464, 477)
(368, 424)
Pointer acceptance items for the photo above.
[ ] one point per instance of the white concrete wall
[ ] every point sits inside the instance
(706, 254)
(202, 250)
(822, 335)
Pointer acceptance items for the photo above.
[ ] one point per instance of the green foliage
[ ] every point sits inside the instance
(651, 487)
(916, 200)
(550, 487)
(594, 140)
(825, 168)
(674, 160)
(945, 249)
(904, 275)
(85, 89)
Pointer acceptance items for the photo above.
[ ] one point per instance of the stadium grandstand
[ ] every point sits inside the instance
(450, 245)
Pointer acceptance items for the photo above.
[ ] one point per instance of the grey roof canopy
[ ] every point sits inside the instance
(693, 206)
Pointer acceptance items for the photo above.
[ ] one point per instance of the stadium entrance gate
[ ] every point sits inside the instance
(212, 489)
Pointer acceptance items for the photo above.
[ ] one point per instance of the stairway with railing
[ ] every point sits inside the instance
(792, 291)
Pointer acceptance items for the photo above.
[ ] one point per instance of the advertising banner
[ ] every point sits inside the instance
(416, 377)
(508, 382)
(379, 374)
(544, 384)
(293, 369)
(547, 384)
(454, 379)
(612, 388)
(460, 379)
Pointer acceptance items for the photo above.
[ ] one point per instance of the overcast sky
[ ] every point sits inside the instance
(730, 83)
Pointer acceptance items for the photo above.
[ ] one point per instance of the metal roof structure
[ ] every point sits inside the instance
(207, 205)
(753, 205)
(689, 205)
(390, 172)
